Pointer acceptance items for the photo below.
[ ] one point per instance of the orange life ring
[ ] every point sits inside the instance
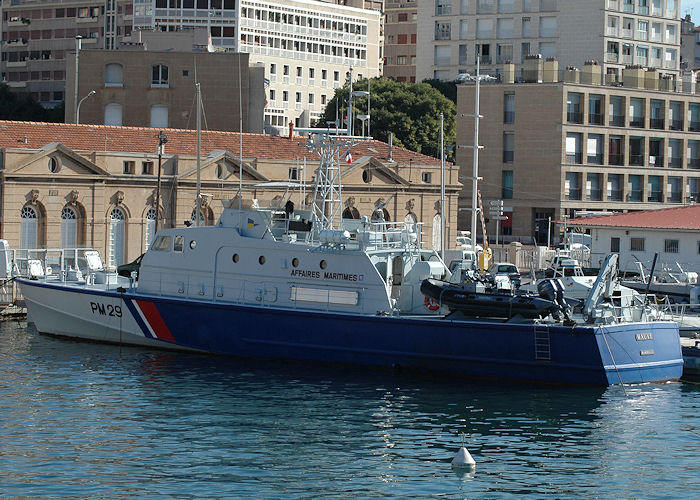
(431, 304)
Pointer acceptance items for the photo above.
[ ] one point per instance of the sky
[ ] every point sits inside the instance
(691, 7)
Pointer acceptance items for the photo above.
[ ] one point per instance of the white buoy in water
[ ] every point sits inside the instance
(463, 460)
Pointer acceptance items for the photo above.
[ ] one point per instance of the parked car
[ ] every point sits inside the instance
(126, 269)
(505, 268)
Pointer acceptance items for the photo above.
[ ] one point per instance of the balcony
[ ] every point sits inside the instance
(595, 195)
(595, 159)
(617, 120)
(676, 125)
(693, 163)
(637, 160)
(627, 59)
(574, 117)
(637, 122)
(694, 127)
(656, 123)
(595, 119)
(611, 57)
(626, 33)
(574, 194)
(616, 159)
(635, 195)
(574, 158)
(656, 161)
(669, 64)
(656, 196)
(615, 195)
(612, 31)
(675, 162)
(674, 197)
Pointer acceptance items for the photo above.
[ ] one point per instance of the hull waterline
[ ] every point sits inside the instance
(598, 355)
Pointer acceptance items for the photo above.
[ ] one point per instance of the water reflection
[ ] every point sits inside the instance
(95, 418)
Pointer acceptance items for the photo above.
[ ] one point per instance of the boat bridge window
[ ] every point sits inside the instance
(179, 244)
(162, 244)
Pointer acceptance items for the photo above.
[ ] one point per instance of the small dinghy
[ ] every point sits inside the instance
(473, 299)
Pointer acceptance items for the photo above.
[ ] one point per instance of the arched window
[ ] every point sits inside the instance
(206, 216)
(159, 116)
(116, 237)
(29, 228)
(113, 114)
(69, 228)
(150, 226)
(114, 75)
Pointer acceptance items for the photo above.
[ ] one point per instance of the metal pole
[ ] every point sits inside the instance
(442, 189)
(549, 230)
(162, 139)
(350, 106)
(78, 46)
(369, 112)
(199, 147)
(475, 167)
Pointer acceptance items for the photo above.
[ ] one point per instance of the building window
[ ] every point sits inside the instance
(572, 186)
(594, 149)
(595, 109)
(656, 193)
(614, 187)
(129, 167)
(573, 107)
(573, 148)
(159, 76)
(634, 188)
(293, 173)
(593, 187)
(159, 116)
(637, 244)
(614, 244)
(507, 185)
(54, 165)
(69, 228)
(116, 237)
(427, 177)
(113, 114)
(150, 227)
(114, 75)
(508, 147)
(509, 108)
(29, 228)
(147, 168)
(671, 246)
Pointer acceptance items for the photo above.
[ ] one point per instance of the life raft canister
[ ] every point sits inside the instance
(431, 304)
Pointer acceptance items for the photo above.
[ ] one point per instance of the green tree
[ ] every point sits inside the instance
(22, 107)
(410, 110)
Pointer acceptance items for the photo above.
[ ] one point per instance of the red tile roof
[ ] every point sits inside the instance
(34, 135)
(684, 218)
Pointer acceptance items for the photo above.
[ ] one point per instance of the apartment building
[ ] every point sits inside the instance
(156, 88)
(400, 26)
(690, 44)
(38, 35)
(616, 33)
(557, 148)
(306, 46)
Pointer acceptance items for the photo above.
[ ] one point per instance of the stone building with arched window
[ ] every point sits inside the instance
(66, 185)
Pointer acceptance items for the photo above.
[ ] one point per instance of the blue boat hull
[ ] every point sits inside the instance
(626, 353)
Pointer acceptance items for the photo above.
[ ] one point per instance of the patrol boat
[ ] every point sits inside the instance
(285, 283)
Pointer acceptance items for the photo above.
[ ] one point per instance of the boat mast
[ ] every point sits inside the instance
(199, 148)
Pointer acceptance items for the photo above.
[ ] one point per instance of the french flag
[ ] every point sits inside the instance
(348, 157)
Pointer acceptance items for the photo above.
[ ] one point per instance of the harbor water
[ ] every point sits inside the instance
(101, 421)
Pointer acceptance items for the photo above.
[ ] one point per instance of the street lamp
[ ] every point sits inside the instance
(162, 139)
(475, 170)
(78, 46)
(77, 111)
(363, 118)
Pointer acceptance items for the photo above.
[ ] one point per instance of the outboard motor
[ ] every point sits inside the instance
(553, 290)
